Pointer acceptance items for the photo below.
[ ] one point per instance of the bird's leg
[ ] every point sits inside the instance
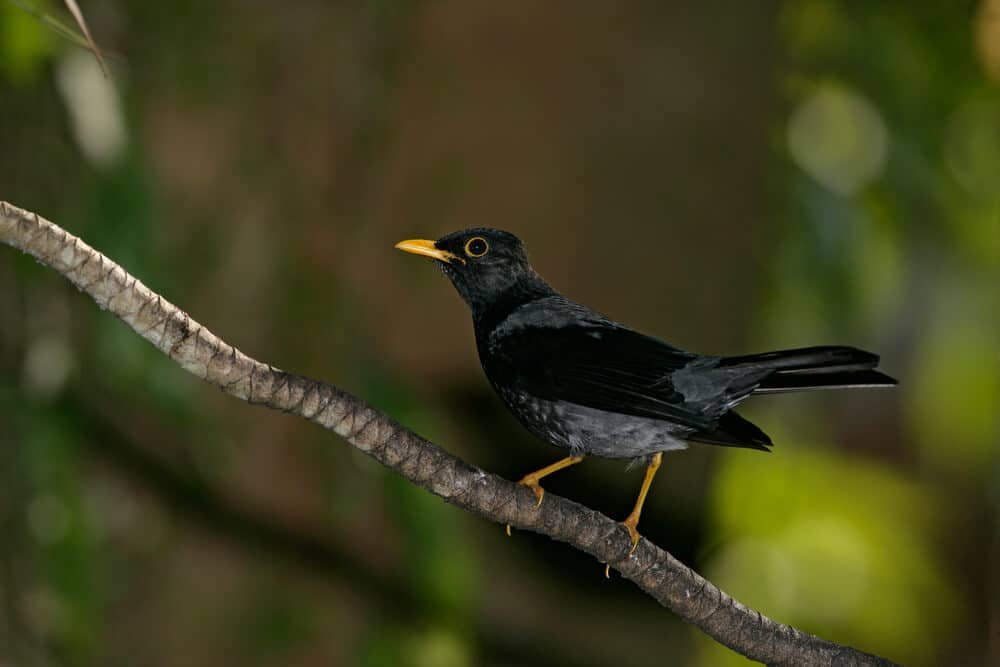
(531, 479)
(632, 521)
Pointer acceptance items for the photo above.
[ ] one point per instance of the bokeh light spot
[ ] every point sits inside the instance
(838, 137)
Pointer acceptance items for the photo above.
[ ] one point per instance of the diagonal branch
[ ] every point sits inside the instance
(202, 353)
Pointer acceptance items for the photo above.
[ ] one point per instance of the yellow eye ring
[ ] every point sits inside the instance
(476, 247)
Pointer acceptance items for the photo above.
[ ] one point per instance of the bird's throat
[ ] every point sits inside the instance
(490, 313)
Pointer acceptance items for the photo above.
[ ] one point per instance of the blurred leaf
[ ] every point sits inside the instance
(430, 647)
(437, 648)
(837, 136)
(971, 156)
(67, 601)
(878, 265)
(25, 45)
(956, 385)
(57, 26)
(841, 548)
(275, 622)
(814, 26)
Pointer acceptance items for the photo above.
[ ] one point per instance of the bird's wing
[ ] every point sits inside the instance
(605, 367)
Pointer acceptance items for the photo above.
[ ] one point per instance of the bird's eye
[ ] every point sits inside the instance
(476, 247)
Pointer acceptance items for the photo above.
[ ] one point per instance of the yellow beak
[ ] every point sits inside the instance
(428, 249)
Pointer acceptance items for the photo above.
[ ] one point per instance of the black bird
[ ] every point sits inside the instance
(581, 381)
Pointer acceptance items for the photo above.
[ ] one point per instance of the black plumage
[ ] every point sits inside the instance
(582, 381)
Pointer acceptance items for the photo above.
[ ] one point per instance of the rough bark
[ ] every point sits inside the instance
(204, 354)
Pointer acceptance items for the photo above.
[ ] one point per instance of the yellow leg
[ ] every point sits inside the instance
(531, 479)
(632, 520)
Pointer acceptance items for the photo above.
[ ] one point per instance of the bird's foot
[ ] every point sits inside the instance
(631, 522)
(531, 481)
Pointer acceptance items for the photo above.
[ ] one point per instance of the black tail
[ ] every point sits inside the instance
(734, 431)
(792, 370)
(827, 367)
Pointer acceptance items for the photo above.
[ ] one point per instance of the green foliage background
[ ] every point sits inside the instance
(728, 178)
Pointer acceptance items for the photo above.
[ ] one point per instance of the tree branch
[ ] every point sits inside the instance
(205, 355)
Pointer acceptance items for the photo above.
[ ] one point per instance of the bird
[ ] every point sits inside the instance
(581, 381)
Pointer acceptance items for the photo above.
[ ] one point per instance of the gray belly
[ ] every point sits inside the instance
(587, 431)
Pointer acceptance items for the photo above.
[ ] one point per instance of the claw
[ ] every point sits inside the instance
(534, 486)
(631, 522)
(531, 479)
(532, 483)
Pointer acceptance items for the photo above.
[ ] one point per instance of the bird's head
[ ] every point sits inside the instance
(484, 265)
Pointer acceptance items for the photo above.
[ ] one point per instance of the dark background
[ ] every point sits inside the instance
(731, 177)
